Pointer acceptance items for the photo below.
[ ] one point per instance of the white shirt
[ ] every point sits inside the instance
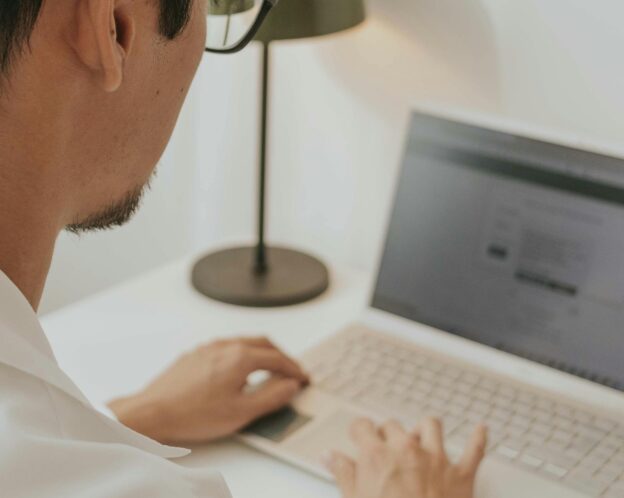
(53, 443)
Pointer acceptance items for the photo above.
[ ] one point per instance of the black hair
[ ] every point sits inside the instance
(18, 19)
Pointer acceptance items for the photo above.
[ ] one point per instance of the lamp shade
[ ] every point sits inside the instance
(229, 7)
(294, 19)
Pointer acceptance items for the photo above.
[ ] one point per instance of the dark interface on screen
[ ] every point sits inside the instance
(511, 242)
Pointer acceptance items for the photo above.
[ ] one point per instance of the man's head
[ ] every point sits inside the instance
(89, 94)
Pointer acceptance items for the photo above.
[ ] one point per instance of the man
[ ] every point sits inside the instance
(89, 94)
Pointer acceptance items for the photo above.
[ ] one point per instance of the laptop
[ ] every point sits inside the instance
(499, 299)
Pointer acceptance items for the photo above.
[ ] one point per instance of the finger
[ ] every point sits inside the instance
(474, 452)
(364, 434)
(417, 431)
(274, 361)
(431, 437)
(270, 397)
(260, 342)
(343, 469)
(394, 434)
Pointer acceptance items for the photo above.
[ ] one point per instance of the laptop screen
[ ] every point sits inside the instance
(511, 242)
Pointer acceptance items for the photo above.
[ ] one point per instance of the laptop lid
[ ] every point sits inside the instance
(512, 242)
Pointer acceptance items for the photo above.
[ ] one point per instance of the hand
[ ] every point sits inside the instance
(203, 396)
(395, 464)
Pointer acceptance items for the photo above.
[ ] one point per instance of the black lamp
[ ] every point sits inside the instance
(267, 276)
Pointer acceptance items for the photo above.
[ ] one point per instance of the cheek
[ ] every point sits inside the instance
(194, 38)
(187, 55)
(177, 66)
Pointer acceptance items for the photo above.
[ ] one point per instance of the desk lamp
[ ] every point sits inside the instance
(264, 276)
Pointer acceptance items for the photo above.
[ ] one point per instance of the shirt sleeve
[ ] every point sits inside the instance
(39, 466)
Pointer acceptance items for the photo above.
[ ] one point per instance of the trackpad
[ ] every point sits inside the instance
(278, 426)
(326, 433)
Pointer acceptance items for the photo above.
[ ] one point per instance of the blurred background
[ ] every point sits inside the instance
(339, 111)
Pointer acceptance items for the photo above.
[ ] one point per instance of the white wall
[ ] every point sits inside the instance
(339, 111)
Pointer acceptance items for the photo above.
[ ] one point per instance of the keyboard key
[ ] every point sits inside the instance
(605, 424)
(590, 432)
(494, 438)
(515, 443)
(451, 423)
(452, 372)
(462, 400)
(583, 444)
(551, 456)
(617, 488)
(565, 424)
(555, 445)
(516, 431)
(554, 470)
(480, 407)
(533, 438)
(583, 417)
(541, 429)
(543, 416)
(482, 394)
(443, 393)
(495, 425)
(501, 414)
(520, 421)
(489, 385)
(592, 464)
(608, 476)
(545, 404)
(524, 410)
(575, 453)
(464, 387)
(507, 452)
(614, 467)
(474, 418)
(603, 450)
(471, 378)
(455, 409)
(531, 461)
(618, 458)
(526, 398)
(507, 392)
(562, 436)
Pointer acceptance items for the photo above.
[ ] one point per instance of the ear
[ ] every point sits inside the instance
(103, 39)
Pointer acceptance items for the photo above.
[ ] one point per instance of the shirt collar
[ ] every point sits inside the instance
(23, 344)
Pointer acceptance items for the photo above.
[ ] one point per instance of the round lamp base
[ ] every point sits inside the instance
(229, 276)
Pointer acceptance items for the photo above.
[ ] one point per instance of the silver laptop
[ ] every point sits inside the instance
(499, 299)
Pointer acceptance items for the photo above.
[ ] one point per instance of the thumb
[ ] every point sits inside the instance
(271, 396)
(343, 469)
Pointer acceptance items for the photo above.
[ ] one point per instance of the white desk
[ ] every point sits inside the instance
(113, 343)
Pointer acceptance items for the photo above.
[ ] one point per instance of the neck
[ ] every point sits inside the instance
(29, 226)
(25, 257)
(30, 211)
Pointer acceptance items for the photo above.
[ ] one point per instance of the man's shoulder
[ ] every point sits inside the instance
(26, 404)
(55, 445)
(30, 406)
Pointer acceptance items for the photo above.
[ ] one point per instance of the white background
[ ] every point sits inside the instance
(339, 112)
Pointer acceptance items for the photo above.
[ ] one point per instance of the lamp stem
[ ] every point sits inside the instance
(261, 264)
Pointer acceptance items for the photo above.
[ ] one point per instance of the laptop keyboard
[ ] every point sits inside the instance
(526, 429)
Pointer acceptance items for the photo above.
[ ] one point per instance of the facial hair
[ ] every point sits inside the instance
(115, 215)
